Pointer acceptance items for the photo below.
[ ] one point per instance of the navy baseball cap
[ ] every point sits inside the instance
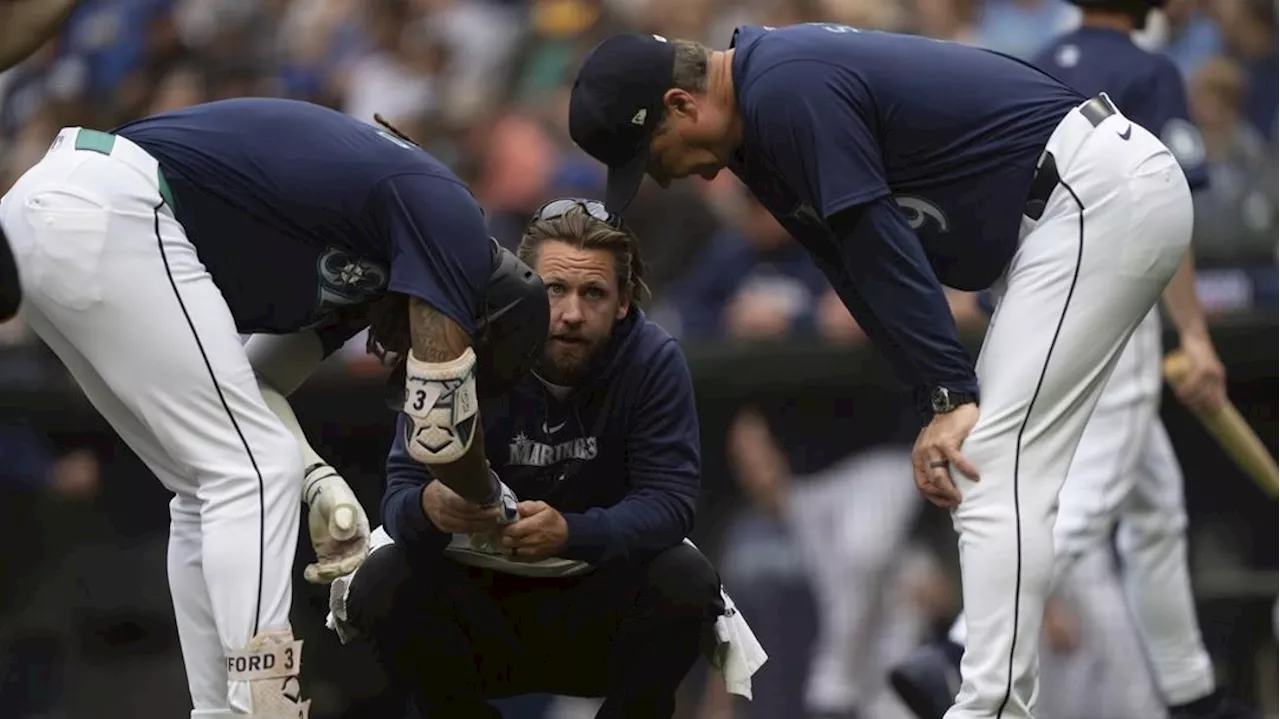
(615, 105)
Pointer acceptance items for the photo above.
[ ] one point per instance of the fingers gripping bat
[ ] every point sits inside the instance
(1231, 431)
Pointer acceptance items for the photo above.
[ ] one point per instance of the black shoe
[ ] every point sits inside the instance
(928, 680)
(1215, 706)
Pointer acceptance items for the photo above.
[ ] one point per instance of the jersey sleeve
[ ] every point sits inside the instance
(440, 247)
(893, 294)
(1162, 109)
(817, 123)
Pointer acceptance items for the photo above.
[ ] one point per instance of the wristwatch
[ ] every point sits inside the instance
(943, 400)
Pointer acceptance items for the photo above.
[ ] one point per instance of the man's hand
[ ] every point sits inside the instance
(937, 450)
(338, 525)
(1203, 389)
(451, 513)
(539, 533)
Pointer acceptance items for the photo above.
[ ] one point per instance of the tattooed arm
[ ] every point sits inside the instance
(25, 25)
(441, 401)
(441, 258)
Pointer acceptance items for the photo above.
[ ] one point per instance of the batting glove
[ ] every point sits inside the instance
(338, 525)
(491, 542)
(506, 502)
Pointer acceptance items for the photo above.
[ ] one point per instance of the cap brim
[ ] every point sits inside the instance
(624, 181)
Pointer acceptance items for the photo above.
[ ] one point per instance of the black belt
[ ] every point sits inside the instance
(1047, 178)
(1098, 109)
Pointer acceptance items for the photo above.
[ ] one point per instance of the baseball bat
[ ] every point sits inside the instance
(1231, 431)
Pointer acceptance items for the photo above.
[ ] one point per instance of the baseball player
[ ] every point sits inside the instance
(904, 164)
(1125, 469)
(148, 250)
(25, 25)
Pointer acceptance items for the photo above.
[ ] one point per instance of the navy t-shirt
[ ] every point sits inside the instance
(300, 212)
(934, 143)
(1146, 87)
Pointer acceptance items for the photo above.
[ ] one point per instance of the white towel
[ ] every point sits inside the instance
(737, 654)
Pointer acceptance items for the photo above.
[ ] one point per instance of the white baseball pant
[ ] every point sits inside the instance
(1106, 674)
(850, 522)
(1083, 277)
(117, 291)
(1125, 472)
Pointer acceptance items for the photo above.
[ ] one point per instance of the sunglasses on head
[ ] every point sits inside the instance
(561, 207)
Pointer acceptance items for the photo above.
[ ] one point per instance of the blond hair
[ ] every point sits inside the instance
(579, 229)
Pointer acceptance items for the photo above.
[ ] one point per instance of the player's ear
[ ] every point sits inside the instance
(680, 102)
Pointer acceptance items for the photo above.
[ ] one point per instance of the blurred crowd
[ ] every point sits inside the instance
(483, 85)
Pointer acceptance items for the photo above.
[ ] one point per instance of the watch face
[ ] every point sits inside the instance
(941, 399)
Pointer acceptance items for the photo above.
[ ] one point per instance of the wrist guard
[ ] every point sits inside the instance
(441, 407)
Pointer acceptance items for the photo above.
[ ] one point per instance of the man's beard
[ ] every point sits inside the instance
(567, 368)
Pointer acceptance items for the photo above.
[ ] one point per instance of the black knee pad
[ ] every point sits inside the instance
(682, 582)
(378, 587)
(393, 586)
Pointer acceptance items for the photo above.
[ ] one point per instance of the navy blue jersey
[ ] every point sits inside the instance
(932, 145)
(844, 117)
(1148, 88)
(300, 212)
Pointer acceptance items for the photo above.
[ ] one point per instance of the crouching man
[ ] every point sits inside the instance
(592, 592)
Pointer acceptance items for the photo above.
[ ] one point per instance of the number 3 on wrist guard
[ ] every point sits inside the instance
(442, 408)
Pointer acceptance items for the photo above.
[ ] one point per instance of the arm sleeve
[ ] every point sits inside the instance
(402, 513)
(441, 252)
(898, 300)
(286, 361)
(1161, 107)
(826, 150)
(663, 470)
